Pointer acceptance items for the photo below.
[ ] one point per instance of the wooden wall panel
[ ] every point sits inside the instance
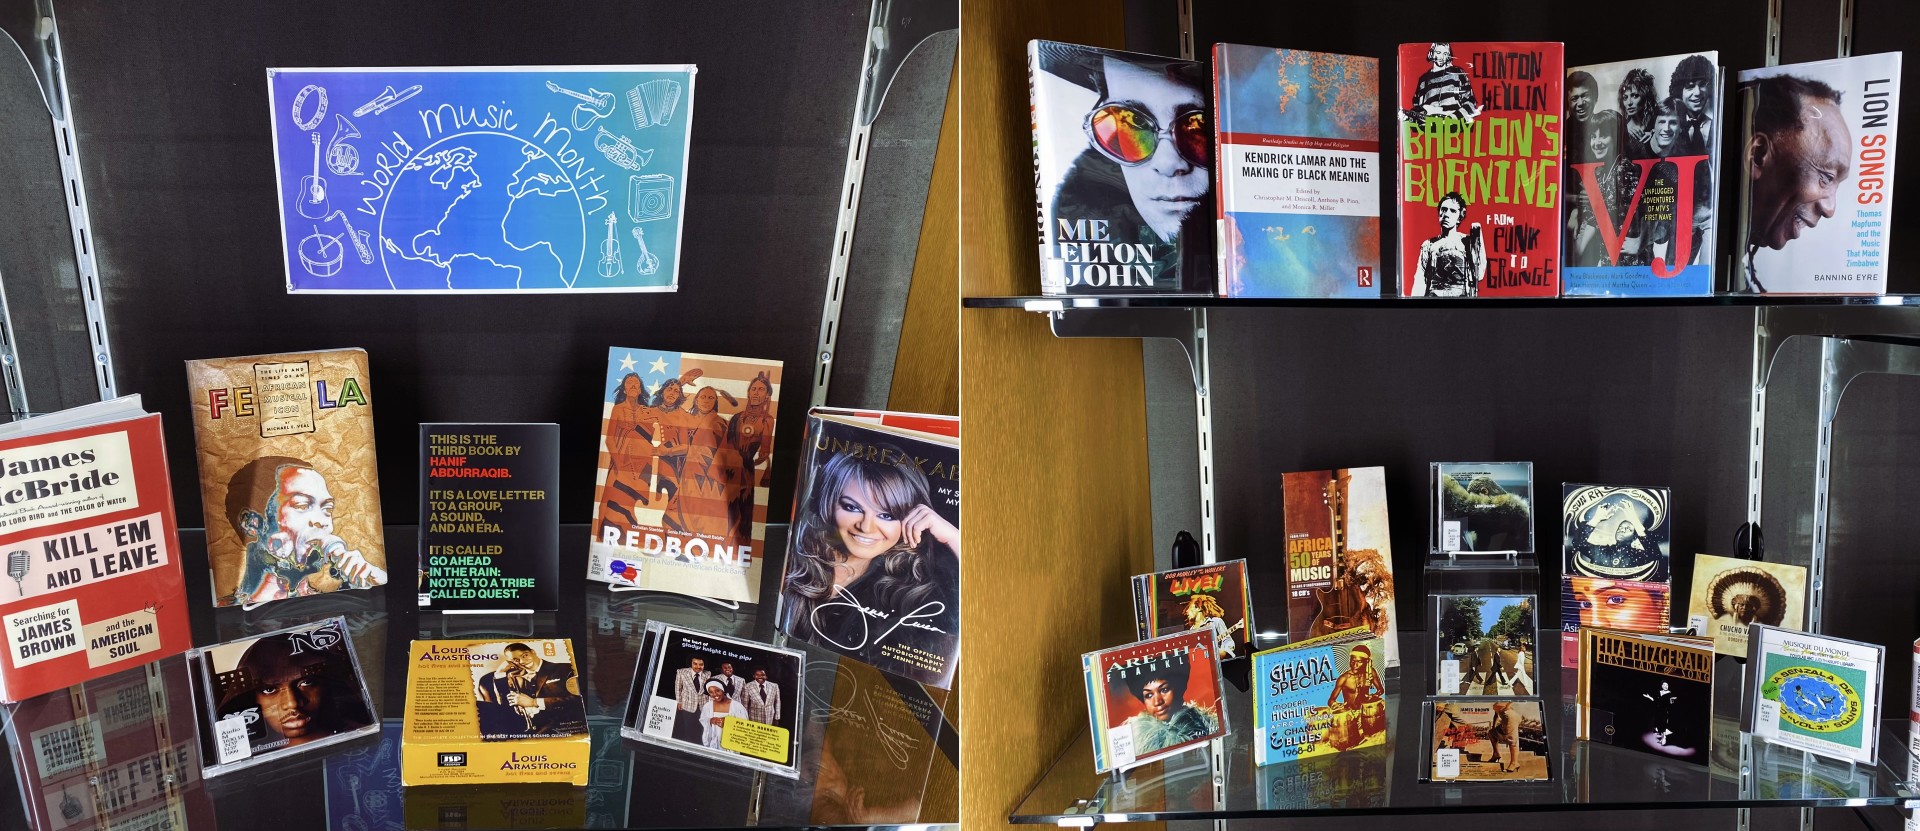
(1054, 439)
(926, 369)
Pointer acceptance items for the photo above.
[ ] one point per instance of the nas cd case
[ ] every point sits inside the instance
(735, 701)
(269, 696)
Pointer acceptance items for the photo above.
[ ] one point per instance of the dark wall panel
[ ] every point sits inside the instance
(172, 107)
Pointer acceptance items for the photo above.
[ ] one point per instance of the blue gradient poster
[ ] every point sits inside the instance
(482, 179)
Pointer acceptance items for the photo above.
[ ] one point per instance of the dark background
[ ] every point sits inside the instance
(1629, 396)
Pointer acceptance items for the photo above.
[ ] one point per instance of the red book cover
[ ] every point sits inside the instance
(90, 545)
(1480, 169)
(115, 753)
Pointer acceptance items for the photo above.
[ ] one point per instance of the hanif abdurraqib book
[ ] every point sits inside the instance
(686, 449)
(1123, 171)
(1643, 148)
(90, 546)
(489, 517)
(1650, 693)
(1318, 697)
(873, 559)
(288, 484)
(1299, 172)
(1480, 169)
(1153, 699)
(1340, 555)
(1212, 597)
(1816, 175)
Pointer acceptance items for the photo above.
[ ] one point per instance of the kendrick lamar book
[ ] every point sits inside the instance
(1299, 150)
(1815, 693)
(1643, 153)
(873, 558)
(732, 700)
(1816, 175)
(1339, 555)
(1318, 697)
(686, 455)
(288, 485)
(1123, 171)
(90, 546)
(490, 517)
(117, 752)
(1480, 169)
(1212, 597)
(1648, 693)
(270, 696)
(1729, 594)
(1619, 539)
(1153, 699)
(494, 711)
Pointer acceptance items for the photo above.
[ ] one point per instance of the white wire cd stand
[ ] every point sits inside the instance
(724, 604)
(1510, 557)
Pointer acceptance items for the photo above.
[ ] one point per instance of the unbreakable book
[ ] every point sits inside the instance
(1340, 555)
(1480, 169)
(873, 558)
(686, 450)
(1123, 171)
(1153, 699)
(1299, 172)
(288, 484)
(1319, 697)
(1643, 156)
(1816, 173)
(1647, 693)
(90, 546)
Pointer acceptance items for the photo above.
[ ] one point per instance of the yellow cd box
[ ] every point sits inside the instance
(481, 712)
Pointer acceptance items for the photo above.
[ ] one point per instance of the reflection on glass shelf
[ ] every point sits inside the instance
(1034, 303)
(122, 751)
(1387, 779)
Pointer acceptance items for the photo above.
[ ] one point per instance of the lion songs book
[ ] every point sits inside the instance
(288, 484)
(686, 452)
(490, 519)
(1480, 169)
(90, 546)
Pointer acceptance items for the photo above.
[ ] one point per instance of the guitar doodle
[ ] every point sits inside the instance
(594, 105)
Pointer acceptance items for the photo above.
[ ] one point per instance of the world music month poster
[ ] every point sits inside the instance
(469, 180)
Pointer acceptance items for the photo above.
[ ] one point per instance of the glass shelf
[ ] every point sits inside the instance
(1386, 780)
(1057, 304)
(847, 781)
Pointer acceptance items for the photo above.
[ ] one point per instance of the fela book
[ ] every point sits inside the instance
(1647, 693)
(1153, 699)
(686, 452)
(92, 551)
(1815, 693)
(1299, 172)
(490, 517)
(1482, 508)
(492, 712)
(1617, 563)
(1319, 697)
(1340, 555)
(1643, 152)
(1123, 171)
(115, 752)
(1729, 594)
(288, 484)
(873, 558)
(267, 697)
(1211, 597)
(1816, 173)
(735, 701)
(1480, 169)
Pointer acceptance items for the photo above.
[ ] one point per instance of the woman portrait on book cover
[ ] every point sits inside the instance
(873, 567)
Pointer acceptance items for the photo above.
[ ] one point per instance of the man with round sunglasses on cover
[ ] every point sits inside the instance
(1147, 170)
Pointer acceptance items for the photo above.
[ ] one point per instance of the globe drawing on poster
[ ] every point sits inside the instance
(436, 180)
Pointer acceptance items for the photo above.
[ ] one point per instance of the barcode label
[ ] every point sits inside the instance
(1120, 740)
(1767, 718)
(1449, 678)
(230, 740)
(1698, 623)
(1446, 763)
(425, 600)
(1450, 536)
(660, 715)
